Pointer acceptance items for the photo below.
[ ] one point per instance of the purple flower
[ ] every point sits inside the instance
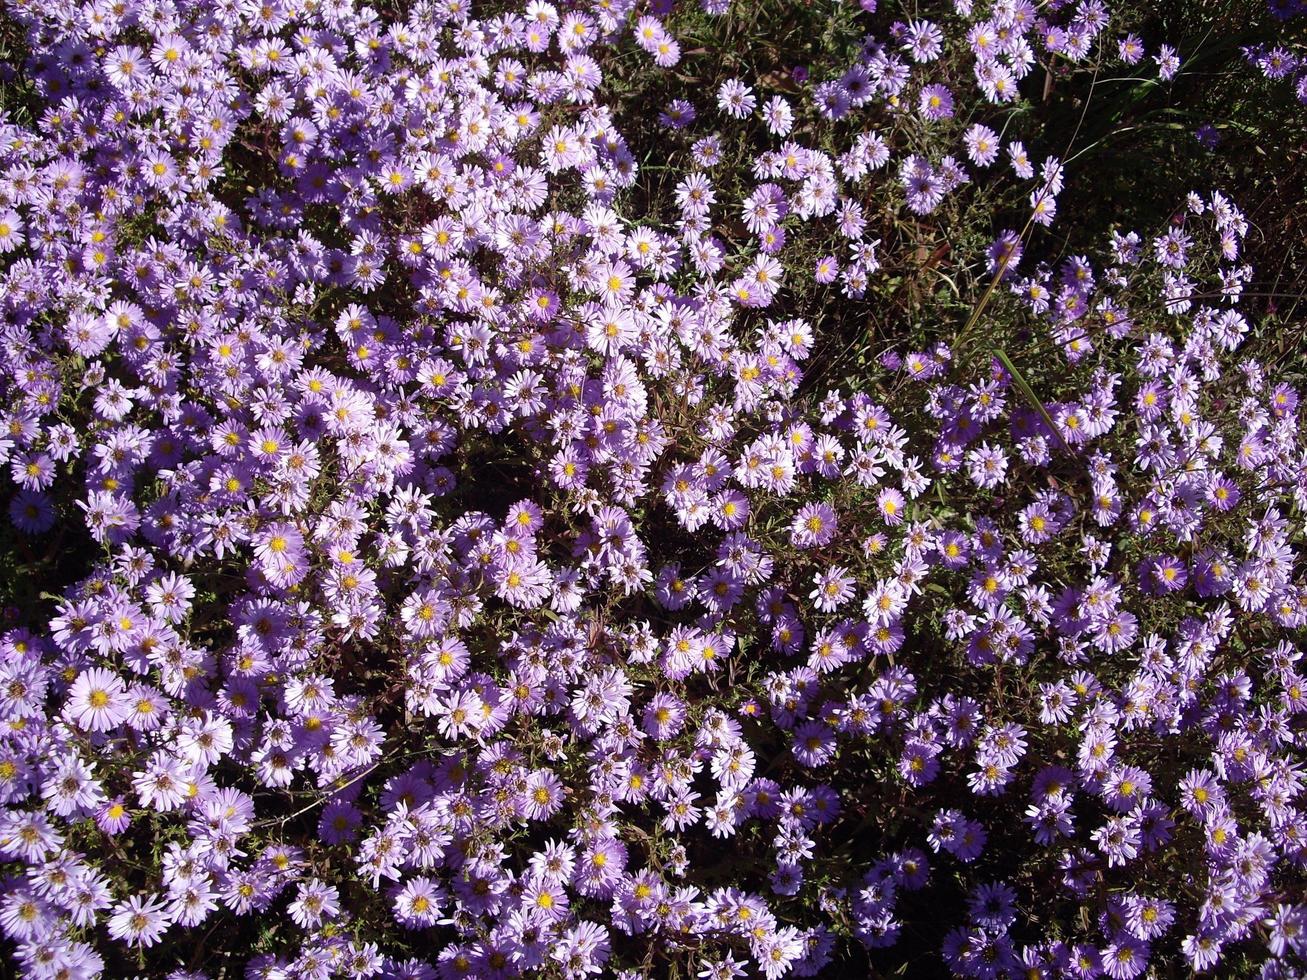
(97, 700)
(814, 526)
(1168, 62)
(112, 817)
(1164, 574)
(891, 505)
(280, 551)
(935, 102)
(139, 920)
(919, 765)
(1208, 136)
(1004, 254)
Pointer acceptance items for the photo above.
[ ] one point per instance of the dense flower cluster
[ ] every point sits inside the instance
(471, 563)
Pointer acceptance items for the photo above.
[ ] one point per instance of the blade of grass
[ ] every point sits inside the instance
(1029, 393)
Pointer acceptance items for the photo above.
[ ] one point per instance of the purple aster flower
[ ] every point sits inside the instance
(1284, 399)
(923, 41)
(1168, 62)
(1004, 254)
(1125, 957)
(936, 102)
(112, 817)
(736, 99)
(139, 920)
(1116, 632)
(832, 588)
(891, 505)
(1130, 49)
(1164, 574)
(814, 526)
(97, 700)
(919, 765)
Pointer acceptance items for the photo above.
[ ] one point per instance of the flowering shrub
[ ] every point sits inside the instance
(581, 489)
